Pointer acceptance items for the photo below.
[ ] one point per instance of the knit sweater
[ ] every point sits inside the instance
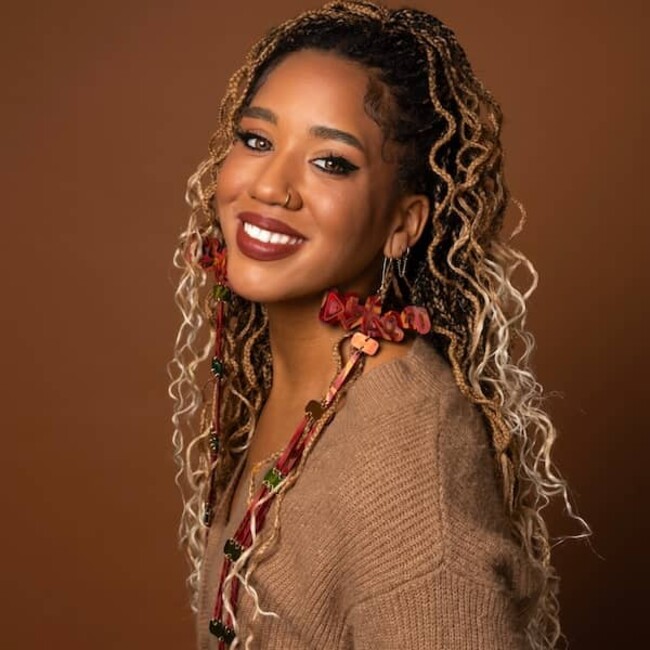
(394, 535)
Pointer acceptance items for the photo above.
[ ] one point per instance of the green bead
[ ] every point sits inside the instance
(207, 515)
(217, 367)
(222, 631)
(273, 478)
(232, 549)
(213, 441)
(220, 292)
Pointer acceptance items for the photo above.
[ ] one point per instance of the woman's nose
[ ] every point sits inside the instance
(275, 183)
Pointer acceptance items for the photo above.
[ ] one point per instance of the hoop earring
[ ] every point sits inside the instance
(286, 203)
(401, 263)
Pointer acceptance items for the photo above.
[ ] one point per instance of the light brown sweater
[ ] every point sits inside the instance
(394, 536)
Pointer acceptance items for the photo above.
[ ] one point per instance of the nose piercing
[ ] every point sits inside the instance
(286, 203)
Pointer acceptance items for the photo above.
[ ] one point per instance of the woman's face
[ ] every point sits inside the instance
(306, 136)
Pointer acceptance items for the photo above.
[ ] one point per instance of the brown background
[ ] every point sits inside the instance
(108, 108)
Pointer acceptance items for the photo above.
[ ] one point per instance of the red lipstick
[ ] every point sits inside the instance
(266, 239)
(267, 223)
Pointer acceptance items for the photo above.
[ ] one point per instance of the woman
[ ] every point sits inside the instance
(344, 253)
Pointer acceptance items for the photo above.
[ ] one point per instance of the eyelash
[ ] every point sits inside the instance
(343, 167)
(245, 136)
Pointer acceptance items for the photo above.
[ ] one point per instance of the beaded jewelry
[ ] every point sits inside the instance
(221, 623)
(366, 324)
(346, 311)
(255, 471)
(213, 256)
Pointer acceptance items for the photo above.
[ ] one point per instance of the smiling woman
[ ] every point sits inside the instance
(309, 164)
(366, 463)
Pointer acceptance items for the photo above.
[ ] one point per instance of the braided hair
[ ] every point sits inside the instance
(424, 95)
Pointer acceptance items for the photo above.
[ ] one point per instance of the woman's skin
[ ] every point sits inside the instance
(343, 203)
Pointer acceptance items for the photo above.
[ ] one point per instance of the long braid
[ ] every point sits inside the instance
(449, 127)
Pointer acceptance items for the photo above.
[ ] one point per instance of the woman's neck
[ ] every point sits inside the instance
(301, 346)
(302, 349)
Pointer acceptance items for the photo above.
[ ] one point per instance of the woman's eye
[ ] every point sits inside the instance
(335, 165)
(253, 141)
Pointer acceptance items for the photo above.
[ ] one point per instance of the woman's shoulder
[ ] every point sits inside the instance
(406, 402)
(408, 425)
(420, 372)
(403, 484)
(385, 437)
(415, 471)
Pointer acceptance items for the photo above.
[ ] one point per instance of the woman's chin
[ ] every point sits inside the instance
(269, 293)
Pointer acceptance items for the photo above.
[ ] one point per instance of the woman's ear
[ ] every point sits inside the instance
(410, 217)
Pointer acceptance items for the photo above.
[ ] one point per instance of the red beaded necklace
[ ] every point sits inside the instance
(368, 324)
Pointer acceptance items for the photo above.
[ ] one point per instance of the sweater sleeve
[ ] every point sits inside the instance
(438, 611)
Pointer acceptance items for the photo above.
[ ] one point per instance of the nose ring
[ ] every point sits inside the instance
(286, 203)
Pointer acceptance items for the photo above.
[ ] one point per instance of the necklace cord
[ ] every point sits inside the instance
(277, 480)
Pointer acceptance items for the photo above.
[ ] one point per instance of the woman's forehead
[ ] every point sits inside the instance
(318, 74)
(320, 88)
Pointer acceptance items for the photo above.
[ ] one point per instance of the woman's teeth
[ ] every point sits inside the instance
(268, 237)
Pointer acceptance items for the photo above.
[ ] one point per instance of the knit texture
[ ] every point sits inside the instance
(394, 535)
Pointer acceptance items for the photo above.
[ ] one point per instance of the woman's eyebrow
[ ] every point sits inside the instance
(260, 113)
(323, 132)
(329, 133)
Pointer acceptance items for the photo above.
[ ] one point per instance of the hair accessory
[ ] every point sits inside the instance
(213, 256)
(237, 548)
(346, 310)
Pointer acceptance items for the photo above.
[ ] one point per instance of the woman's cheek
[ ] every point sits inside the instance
(235, 172)
(226, 182)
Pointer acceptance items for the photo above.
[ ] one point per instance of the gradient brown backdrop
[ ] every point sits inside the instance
(107, 108)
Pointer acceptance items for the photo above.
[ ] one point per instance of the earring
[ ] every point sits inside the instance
(286, 203)
(386, 277)
(401, 263)
(370, 317)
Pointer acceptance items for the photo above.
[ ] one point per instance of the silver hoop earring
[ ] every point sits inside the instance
(401, 263)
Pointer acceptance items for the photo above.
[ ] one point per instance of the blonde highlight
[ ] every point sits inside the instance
(464, 277)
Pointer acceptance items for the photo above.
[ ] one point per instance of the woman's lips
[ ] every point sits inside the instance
(265, 239)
